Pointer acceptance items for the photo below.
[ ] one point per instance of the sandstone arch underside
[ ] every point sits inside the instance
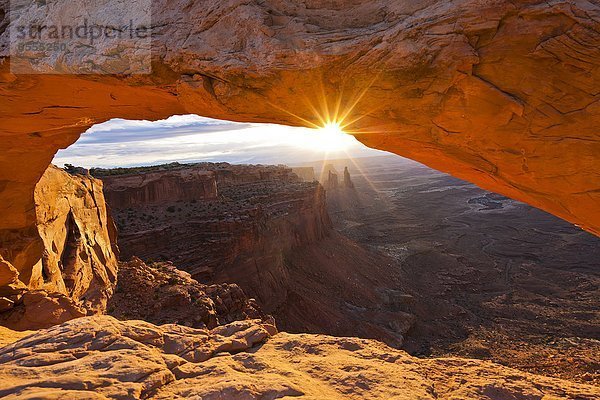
(503, 94)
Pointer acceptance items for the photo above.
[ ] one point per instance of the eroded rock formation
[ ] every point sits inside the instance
(347, 179)
(67, 267)
(79, 239)
(162, 294)
(246, 359)
(263, 211)
(333, 180)
(159, 187)
(38, 309)
(307, 174)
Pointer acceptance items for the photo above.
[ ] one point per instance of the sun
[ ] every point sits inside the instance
(334, 126)
(332, 129)
(331, 137)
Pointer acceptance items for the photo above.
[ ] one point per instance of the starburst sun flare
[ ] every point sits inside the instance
(332, 137)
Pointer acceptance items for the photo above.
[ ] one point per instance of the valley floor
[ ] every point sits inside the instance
(492, 278)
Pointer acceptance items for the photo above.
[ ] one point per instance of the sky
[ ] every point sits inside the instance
(191, 138)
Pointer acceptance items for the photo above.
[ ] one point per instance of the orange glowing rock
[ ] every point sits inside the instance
(502, 94)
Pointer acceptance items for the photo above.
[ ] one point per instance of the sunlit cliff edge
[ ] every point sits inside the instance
(67, 266)
(101, 357)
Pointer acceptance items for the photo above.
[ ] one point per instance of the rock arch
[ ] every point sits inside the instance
(503, 94)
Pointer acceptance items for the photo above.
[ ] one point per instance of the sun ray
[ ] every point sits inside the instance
(357, 100)
(309, 123)
(363, 174)
(332, 116)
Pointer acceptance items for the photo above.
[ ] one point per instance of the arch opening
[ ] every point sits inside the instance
(413, 243)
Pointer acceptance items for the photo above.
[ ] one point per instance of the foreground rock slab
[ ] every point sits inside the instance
(100, 357)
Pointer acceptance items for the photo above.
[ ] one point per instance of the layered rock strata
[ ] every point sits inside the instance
(100, 357)
(307, 174)
(240, 237)
(157, 187)
(500, 93)
(270, 234)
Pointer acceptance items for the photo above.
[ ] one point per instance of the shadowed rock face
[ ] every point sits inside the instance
(100, 357)
(267, 232)
(263, 211)
(503, 94)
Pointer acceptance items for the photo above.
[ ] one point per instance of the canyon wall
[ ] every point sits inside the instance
(240, 237)
(159, 187)
(307, 174)
(232, 174)
(269, 233)
(69, 262)
(79, 239)
(498, 93)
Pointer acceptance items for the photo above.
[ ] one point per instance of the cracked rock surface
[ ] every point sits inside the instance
(99, 357)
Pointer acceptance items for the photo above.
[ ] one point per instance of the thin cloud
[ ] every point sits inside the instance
(190, 138)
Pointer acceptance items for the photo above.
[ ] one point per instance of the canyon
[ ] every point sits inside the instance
(177, 337)
(454, 86)
(267, 231)
(156, 188)
(490, 278)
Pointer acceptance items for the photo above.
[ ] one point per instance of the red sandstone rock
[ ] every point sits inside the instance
(70, 255)
(271, 235)
(100, 357)
(79, 259)
(159, 187)
(161, 294)
(8, 274)
(38, 309)
(241, 237)
(307, 174)
(501, 93)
